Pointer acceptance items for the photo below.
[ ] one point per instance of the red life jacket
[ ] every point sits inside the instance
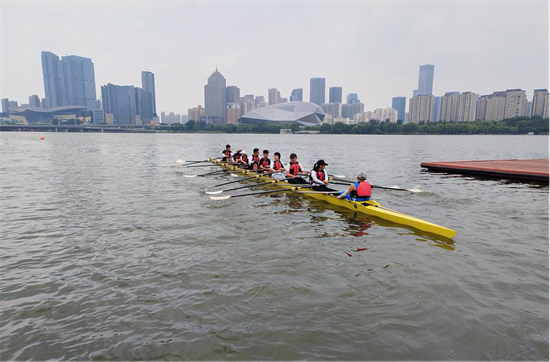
(256, 159)
(321, 175)
(265, 162)
(363, 189)
(294, 168)
(226, 153)
(237, 156)
(244, 159)
(277, 165)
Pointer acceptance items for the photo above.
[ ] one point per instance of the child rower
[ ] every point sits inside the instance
(236, 159)
(245, 162)
(319, 177)
(358, 191)
(265, 162)
(277, 168)
(226, 154)
(294, 171)
(255, 159)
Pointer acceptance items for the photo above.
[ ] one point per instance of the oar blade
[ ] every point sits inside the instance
(217, 198)
(181, 161)
(213, 192)
(189, 176)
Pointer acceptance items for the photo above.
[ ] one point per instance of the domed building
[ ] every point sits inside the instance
(303, 113)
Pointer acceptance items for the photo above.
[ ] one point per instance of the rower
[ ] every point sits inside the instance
(294, 171)
(255, 160)
(265, 162)
(358, 191)
(226, 154)
(319, 177)
(237, 156)
(277, 168)
(244, 160)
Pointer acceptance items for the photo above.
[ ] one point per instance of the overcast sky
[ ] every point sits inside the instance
(370, 48)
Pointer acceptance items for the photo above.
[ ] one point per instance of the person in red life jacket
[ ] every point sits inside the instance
(277, 167)
(237, 156)
(319, 177)
(295, 171)
(226, 154)
(358, 191)
(265, 163)
(245, 162)
(255, 160)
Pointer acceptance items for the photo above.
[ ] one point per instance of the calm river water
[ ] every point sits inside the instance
(109, 254)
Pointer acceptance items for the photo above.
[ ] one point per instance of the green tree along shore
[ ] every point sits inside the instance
(516, 125)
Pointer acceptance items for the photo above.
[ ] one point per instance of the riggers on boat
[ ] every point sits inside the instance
(371, 208)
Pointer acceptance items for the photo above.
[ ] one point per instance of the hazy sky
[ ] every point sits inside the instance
(370, 48)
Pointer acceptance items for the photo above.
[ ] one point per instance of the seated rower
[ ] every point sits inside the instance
(226, 154)
(255, 160)
(295, 171)
(245, 162)
(236, 159)
(265, 163)
(358, 191)
(277, 168)
(319, 177)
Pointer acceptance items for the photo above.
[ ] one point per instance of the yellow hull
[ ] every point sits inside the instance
(371, 208)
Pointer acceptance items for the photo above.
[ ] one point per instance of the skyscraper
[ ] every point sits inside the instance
(215, 98)
(449, 107)
(233, 94)
(495, 106)
(425, 80)
(297, 95)
(352, 98)
(421, 108)
(148, 85)
(540, 103)
(34, 101)
(437, 109)
(335, 95)
(466, 107)
(317, 91)
(144, 105)
(516, 103)
(398, 103)
(5, 105)
(273, 96)
(120, 101)
(69, 81)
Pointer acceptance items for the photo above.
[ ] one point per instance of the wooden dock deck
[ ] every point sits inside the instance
(530, 170)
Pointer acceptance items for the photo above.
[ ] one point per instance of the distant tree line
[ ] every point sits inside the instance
(516, 125)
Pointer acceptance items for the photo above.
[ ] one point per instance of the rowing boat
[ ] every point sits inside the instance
(371, 208)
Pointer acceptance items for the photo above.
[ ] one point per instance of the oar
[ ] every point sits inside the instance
(251, 194)
(208, 174)
(191, 162)
(379, 187)
(211, 165)
(232, 182)
(242, 187)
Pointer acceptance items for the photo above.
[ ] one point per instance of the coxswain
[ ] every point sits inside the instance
(265, 162)
(255, 159)
(277, 168)
(226, 154)
(237, 156)
(358, 191)
(294, 171)
(319, 177)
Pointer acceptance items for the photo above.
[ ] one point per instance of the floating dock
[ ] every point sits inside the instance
(530, 170)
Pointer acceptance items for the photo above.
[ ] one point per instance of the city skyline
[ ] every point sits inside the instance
(392, 69)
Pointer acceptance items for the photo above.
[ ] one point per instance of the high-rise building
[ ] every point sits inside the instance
(273, 96)
(233, 113)
(317, 91)
(495, 106)
(516, 103)
(69, 81)
(425, 80)
(466, 107)
(284, 100)
(352, 98)
(350, 110)
(120, 101)
(437, 109)
(215, 99)
(5, 105)
(233, 94)
(148, 85)
(449, 107)
(335, 95)
(34, 101)
(248, 97)
(540, 103)
(481, 107)
(334, 109)
(195, 114)
(398, 103)
(13, 104)
(98, 116)
(421, 108)
(529, 112)
(297, 95)
(144, 105)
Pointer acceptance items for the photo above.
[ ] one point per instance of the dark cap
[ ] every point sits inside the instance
(293, 155)
(322, 162)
